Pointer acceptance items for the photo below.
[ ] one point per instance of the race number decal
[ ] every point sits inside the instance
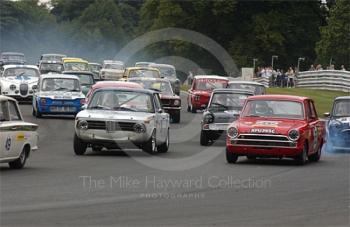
(8, 144)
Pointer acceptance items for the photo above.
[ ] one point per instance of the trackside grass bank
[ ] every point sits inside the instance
(323, 99)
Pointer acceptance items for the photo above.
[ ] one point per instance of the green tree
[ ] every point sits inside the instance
(335, 37)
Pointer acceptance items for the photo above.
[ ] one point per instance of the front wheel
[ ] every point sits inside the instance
(79, 146)
(231, 157)
(21, 161)
(176, 117)
(36, 113)
(204, 140)
(316, 157)
(150, 146)
(302, 158)
(164, 147)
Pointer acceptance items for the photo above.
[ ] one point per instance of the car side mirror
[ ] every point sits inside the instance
(327, 114)
(83, 107)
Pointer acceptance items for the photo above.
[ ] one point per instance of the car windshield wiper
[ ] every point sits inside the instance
(124, 108)
(60, 89)
(219, 104)
(100, 107)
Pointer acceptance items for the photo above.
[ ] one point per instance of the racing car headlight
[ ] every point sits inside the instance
(293, 135)
(232, 132)
(336, 124)
(208, 118)
(177, 103)
(34, 87)
(83, 125)
(13, 87)
(197, 97)
(139, 128)
(43, 101)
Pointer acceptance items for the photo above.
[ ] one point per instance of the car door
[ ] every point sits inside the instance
(315, 127)
(160, 118)
(16, 129)
(7, 137)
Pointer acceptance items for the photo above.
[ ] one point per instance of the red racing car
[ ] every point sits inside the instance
(201, 89)
(276, 126)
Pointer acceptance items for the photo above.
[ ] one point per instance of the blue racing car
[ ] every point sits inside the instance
(338, 125)
(58, 94)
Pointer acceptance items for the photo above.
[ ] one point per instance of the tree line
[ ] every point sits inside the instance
(97, 29)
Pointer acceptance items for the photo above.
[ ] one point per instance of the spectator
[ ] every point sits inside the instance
(291, 77)
(319, 67)
(331, 67)
(312, 68)
(342, 67)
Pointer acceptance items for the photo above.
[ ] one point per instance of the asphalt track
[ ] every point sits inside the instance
(188, 186)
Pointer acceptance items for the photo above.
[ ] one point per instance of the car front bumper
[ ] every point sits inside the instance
(263, 150)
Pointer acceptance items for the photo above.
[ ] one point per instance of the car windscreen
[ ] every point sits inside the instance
(85, 79)
(114, 66)
(60, 84)
(227, 101)
(119, 100)
(274, 109)
(163, 86)
(209, 84)
(257, 89)
(167, 71)
(21, 72)
(341, 108)
(76, 66)
(52, 58)
(10, 57)
(56, 67)
(145, 73)
(94, 67)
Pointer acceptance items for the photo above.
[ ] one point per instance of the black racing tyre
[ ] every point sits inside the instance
(21, 160)
(316, 157)
(36, 113)
(204, 140)
(231, 157)
(176, 117)
(151, 145)
(79, 146)
(302, 157)
(164, 147)
(193, 109)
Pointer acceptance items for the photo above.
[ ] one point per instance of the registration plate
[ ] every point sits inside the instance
(218, 126)
(62, 109)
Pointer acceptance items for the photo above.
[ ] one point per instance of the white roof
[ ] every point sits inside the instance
(20, 66)
(161, 65)
(113, 62)
(210, 77)
(57, 76)
(245, 82)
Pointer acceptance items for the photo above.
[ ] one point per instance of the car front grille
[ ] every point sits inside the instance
(166, 102)
(111, 126)
(23, 89)
(99, 125)
(263, 140)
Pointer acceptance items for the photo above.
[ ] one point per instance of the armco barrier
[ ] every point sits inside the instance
(263, 80)
(334, 80)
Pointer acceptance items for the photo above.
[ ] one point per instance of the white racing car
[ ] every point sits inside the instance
(19, 81)
(17, 138)
(116, 117)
